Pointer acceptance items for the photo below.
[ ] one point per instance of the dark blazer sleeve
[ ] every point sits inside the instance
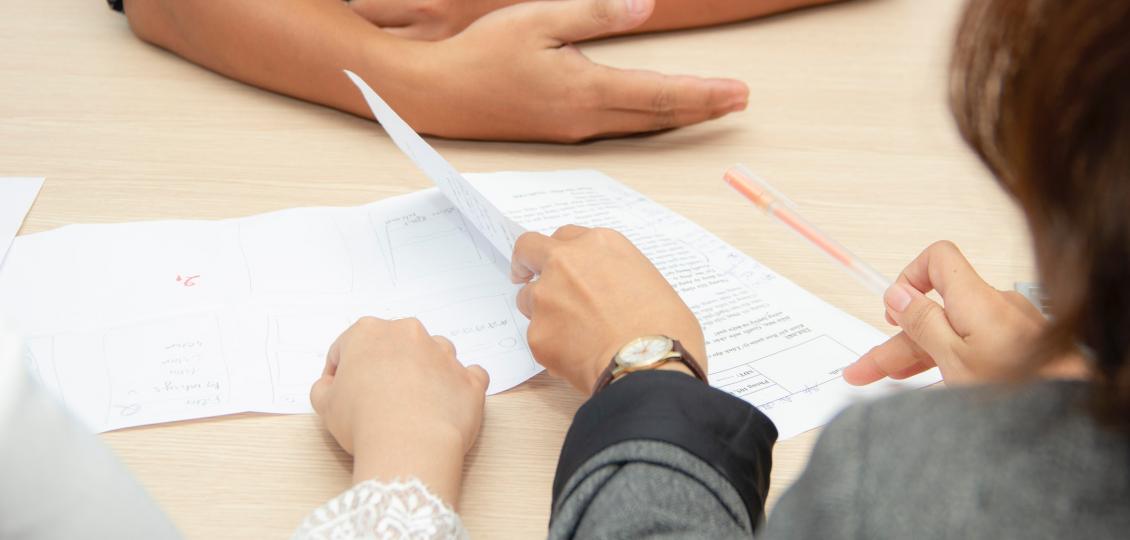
(663, 440)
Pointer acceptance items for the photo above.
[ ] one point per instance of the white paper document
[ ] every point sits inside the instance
(140, 323)
(16, 198)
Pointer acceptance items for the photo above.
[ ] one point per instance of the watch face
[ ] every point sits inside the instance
(644, 351)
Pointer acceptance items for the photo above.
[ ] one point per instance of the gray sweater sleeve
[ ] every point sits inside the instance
(60, 481)
(662, 455)
(649, 489)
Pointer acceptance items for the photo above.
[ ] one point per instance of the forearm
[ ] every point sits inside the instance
(294, 47)
(676, 14)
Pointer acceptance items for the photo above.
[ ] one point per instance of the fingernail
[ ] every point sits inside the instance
(635, 7)
(897, 297)
(740, 105)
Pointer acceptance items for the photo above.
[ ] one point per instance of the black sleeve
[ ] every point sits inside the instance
(723, 431)
(116, 5)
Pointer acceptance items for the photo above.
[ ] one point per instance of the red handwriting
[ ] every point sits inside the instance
(187, 281)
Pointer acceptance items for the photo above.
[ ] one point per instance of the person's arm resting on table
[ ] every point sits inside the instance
(677, 14)
(510, 75)
(657, 452)
(439, 19)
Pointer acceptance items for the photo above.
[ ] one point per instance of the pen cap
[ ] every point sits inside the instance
(782, 209)
(754, 188)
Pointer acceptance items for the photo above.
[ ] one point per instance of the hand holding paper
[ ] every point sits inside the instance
(599, 294)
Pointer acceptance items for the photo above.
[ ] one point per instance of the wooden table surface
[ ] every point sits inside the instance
(847, 115)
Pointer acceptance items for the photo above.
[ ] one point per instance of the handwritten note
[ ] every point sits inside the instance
(140, 323)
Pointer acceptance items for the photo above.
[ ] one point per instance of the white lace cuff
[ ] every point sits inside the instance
(386, 511)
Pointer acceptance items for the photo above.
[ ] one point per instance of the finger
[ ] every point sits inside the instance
(894, 356)
(333, 357)
(446, 345)
(942, 267)
(911, 371)
(650, 101)
(568, 21)
(612, 124)
(569, 232)
(319, 393)
(531, 251)
(480, 377)
(525, 300)
(923, 321)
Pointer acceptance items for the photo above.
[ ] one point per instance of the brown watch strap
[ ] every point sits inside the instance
(685, 357)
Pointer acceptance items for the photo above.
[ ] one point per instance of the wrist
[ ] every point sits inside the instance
(432, 453)
(398, 82)
(689, 353)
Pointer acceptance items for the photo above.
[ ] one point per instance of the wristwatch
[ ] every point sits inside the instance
(647, 352)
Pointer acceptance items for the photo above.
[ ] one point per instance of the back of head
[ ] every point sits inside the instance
(1041, 90)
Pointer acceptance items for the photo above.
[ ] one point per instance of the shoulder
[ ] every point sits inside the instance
(992, 453)
(986, 460)
(944, 423)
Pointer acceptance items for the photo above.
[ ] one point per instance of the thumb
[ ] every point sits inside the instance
(577, 20)
(319, 393)
(480, 376)
(923, 321)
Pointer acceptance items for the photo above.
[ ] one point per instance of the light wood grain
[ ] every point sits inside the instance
(847, 115)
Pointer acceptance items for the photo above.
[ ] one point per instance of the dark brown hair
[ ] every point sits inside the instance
(1041, 90)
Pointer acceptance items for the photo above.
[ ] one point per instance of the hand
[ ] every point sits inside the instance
(595, 293)
(396, 399)
(512, 75)
(980, 335)
(425, 19)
